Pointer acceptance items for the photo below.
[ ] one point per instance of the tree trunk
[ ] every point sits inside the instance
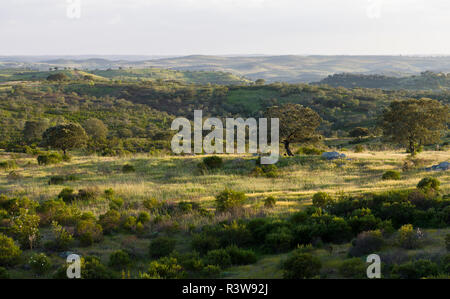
(288, 150)
(412, 148)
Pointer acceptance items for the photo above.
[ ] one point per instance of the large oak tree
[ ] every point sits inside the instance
(413, 123)
(65, 137)
(297, 124)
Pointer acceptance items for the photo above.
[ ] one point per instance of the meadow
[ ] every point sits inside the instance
(175, 179)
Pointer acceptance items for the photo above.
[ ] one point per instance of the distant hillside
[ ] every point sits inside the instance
(287, 68)
(424, 81)
(122, 74)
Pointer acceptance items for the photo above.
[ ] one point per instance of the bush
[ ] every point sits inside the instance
(321, 200)
(151, 204)
(280, 240)
(116, 203)
(110, 221)
(127, 168)
(447, 242)
(48, 159)
(240, 256)
(213, 162)
(165, 268)
(39, 263)
(130, 223)
(143, 217)
(63, 239)
(310, 151)
(89, 232)
(8, 165)
(162, 246)
(270, 202)
(359, 148)
(428, 184)
(407, 237)
(367, 243)
(67, 195)
(353, 268)
(417, 269)
(229, 200)
(92, 268)
(204, 243)
(210, 271)
(61, 179)
(9, 251)
(90, 193)
(119, 260)
(301, 266)
(218, 257)
(391, 175)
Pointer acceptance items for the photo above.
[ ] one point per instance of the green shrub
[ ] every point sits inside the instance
(67, 195)
(185, 207)
(63, 239)
(151, 204)
(127, 168)
(213, 162)
(162, 246)
(428, 184)
(229, 200)
(119, 260)
(92, 268)
(447, 242)
(366, 243)
(301, 266)
(240, 256)
(110, 221)
(130, 223)
(89, 232)
(218, 257)
(109, 193)
(9, 251)
(310, 151)
(359, 148)
(407, 237)
(88, 194)
(280, 240)
(61, 179)
(353, 268)
(211, 271)
(39, 263)
(204, 243)
(48, 159)
(391, 175)
(321, 199)
(116, 203)
(143, 217)
(165, 268)
(8, 165)
(270, 202)
(417, 269)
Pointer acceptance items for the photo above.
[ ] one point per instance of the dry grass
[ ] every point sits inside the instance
(175, 178)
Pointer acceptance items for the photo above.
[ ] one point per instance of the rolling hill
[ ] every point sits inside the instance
(287, 68)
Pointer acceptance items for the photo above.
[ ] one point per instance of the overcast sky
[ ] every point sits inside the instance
(184, 27)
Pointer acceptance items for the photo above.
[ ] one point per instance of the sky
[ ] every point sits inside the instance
(224, 27)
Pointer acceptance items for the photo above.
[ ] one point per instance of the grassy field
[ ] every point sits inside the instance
(176, 179)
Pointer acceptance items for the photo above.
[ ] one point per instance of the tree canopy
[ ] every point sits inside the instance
(297, 124)
(65, 137)
(413, 123)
